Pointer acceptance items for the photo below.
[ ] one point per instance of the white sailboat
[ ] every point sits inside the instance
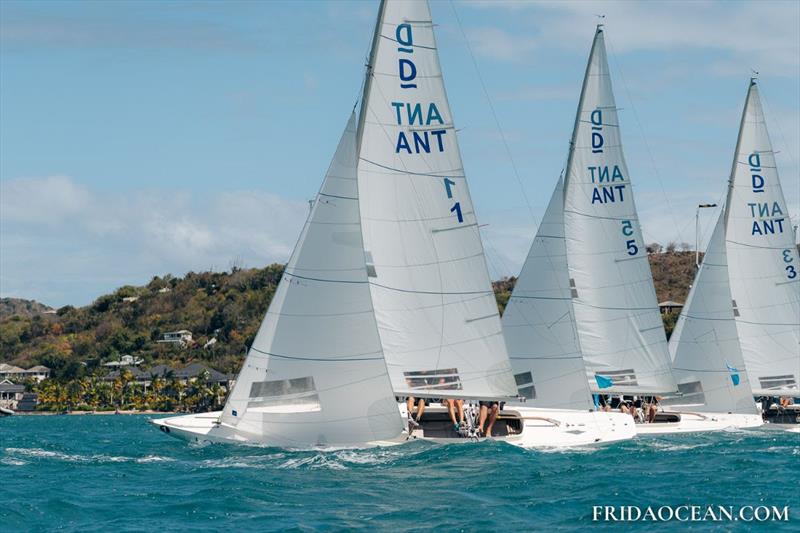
(763, 262)
(586, 304)
(540, 329)
(707, 358)
(387, 291)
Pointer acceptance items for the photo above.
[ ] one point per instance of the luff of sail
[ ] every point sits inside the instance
(315, 375)
(435, 308)
(620, 328)
(539, 323)
(763, 260)
(707, 358)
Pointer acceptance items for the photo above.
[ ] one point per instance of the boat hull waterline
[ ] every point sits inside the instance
(540, 428)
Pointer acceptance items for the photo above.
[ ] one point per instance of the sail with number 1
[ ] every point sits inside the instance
(434, 303)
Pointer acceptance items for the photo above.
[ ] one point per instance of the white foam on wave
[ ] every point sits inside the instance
(314, 462)
(10, 461)
(675, 447)
(38, 453)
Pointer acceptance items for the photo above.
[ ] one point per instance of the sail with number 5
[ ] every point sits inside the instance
(763, 260)
(621, 333)
(434, 304)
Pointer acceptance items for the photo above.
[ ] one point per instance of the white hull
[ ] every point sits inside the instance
(700, 422)
(540, 428)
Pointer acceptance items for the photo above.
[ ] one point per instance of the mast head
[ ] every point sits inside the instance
(754, 77)
(600, 17)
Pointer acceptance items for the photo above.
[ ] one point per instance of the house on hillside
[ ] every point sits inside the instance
(669, 307)
(125, 360)
(185, 375)
(10, 394)
(182, 337)
(15, 373)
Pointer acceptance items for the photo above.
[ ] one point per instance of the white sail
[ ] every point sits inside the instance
(763, 259)
(707, 358)
(539, 323)
(435, 308)
(621, 333)
(315, 374)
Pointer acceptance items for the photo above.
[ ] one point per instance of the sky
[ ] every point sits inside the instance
(145, 138)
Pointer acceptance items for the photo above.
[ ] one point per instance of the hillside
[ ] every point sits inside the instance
(18, 306)
(227, 306)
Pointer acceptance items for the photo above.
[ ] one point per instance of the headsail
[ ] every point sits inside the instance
(539, 322)
(707, 357)
(622, 336)
(315, 374)
(435, 308)
(763, 260)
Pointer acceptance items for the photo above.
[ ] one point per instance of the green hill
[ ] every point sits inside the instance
(226, 306)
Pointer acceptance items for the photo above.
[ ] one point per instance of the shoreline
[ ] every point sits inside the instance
(92, 413)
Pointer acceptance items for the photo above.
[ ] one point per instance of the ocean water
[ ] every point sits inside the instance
(118, 473)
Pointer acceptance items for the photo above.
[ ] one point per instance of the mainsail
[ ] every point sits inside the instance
(621, 334)
(539, 322)
(315, 374)
(707, 358)
(763, 260)
(435, 308)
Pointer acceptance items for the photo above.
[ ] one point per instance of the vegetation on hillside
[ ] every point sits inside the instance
(226, 306)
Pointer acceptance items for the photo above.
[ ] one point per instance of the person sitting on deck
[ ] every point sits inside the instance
(412, 419)
(488, 410)
(455, 406)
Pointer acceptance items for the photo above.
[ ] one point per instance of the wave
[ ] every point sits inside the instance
(38, 453)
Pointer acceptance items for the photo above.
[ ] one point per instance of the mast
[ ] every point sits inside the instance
(731, 178)
(369, 74)
(578, 112)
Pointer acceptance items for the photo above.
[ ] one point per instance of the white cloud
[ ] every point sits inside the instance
(63, 242)
(761, 35)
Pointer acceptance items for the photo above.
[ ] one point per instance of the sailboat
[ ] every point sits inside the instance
(706, 355)
(763, 265)
(387, 293)
(540, 329)
(585, 305)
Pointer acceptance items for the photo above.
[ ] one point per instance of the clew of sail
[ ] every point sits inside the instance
(315, 375)
(763, 260)
(621, 333)
(707, 358)
(539, 323)
(435, 308)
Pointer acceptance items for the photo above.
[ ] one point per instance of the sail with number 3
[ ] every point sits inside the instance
(763, 260)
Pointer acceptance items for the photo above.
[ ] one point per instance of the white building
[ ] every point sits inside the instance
(125, 360)
(182, 337)
(17, 374)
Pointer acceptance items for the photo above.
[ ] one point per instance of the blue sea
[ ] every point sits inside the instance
(118, 473)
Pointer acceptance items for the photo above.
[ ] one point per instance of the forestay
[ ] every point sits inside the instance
(764, 266)
(435, 308)
(707, 358)
(539, 323)
(621, 333)
(315, 374)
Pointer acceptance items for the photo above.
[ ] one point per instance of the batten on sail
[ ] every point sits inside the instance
(315, 374)
(763, 260)
(539, 322)
(621, 333)
(707, 358)
(435, 308)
